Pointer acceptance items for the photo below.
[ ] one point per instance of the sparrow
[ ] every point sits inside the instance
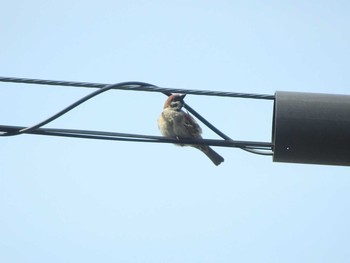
(173, 122)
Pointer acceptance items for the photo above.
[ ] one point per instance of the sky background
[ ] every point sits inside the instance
(75, 200)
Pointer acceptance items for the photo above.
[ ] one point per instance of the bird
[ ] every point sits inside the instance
(173, 122)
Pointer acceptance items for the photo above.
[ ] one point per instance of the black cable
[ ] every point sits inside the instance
(132, 85)
(102, 135)
(218, 132)
(72, 106)
(136, 87)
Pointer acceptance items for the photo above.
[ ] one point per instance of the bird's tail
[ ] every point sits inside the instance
(212, 155)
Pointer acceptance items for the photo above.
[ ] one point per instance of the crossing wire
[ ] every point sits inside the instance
(137, 87)
(257, 148)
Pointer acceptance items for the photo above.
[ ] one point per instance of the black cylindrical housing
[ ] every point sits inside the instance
(311, 128)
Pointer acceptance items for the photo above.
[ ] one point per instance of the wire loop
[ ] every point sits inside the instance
(256, 148)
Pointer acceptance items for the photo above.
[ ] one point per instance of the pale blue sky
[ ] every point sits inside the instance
(74, 200)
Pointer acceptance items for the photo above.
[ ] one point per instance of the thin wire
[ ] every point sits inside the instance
(133, 87)
(102, 135)
(72, 106)
(221, 134)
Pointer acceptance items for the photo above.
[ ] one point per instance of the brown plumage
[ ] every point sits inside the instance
(175, 123)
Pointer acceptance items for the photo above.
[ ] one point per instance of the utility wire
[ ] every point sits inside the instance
(136, 87)
(221, 134)
(72, 106)
(115, 136)
(133, 85)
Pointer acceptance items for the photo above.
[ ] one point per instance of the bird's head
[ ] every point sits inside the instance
(175, 102)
